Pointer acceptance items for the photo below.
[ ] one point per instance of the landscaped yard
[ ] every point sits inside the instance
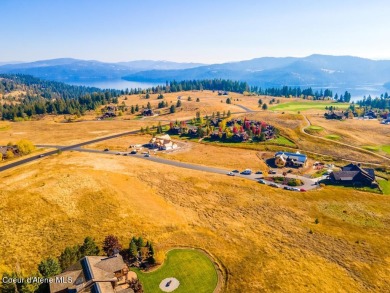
(192, 268)
(385, 185)
(376, 148)
(315, 128)
(302, 106)
(333, 136)
(281, 140)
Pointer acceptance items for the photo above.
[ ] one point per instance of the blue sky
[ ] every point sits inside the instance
(192, 31)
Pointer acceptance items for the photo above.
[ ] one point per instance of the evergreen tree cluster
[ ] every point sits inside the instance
(286, 91)
(382, 102)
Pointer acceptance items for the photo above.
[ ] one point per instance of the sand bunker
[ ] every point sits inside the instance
(169, 284)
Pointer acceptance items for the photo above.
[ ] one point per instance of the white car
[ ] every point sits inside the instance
(247, 172)
(231, 174)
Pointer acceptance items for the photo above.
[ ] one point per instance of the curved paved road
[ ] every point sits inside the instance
(308, 182)
(62, 148)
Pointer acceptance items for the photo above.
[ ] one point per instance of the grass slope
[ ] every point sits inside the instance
(193, 269)
(259, 233)
(385, 185)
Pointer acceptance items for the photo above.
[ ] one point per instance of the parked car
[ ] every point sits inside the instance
(118, 154)
(274, 185)
(296, 189)
(247, 172)
(133, 152)
(41, 156)
(236, 171)
(231, 174)
(125, 154)
(303, 190)
(272, 172)
(147, 155)
(106, 150)
(261, 181)
(259, 172)
(288, 188)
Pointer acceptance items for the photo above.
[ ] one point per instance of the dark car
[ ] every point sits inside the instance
(133, 152)
(259, 172)
(272, 172)
(106, 150)
(287, 188)
(236, 171)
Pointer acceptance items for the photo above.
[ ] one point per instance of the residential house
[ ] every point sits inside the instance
(335, 115)
(354, 175)
(163, 142)
(4, 149)
(148, 112)
(286, 159)
(240, 137)
(386, 121)
(94, 274)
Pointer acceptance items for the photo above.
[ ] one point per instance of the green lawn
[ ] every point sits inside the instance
(302, 106)
(386, 148)
(193, 269)
(385, 185)
(371, 148)
(376, 148)
(315, 128)
(333, 136)
(281, 141)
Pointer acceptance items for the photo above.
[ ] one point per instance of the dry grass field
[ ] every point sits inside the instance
(190, 152)
(267, 238)
(353, 131)
(47, 131)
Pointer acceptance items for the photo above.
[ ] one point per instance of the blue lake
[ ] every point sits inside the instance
(118, 84)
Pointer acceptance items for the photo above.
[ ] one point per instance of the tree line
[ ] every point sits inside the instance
(382, 102)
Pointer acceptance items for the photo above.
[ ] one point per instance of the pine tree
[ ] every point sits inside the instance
(178, 104)
(89, 247)
(264, 107)
(132, 109)
(140, 242)
(172, 109)
(49, 267)
(133, 250)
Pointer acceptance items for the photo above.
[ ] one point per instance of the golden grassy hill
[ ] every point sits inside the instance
(260, 234)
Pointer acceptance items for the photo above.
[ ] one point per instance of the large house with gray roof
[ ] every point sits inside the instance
(94, 274)
(353, 175)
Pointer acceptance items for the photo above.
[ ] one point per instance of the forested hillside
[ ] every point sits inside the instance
(24, 96)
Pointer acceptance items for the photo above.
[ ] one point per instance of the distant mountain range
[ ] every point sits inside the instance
(318, 71)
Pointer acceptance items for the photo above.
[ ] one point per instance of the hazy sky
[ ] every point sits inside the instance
(208, 31)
